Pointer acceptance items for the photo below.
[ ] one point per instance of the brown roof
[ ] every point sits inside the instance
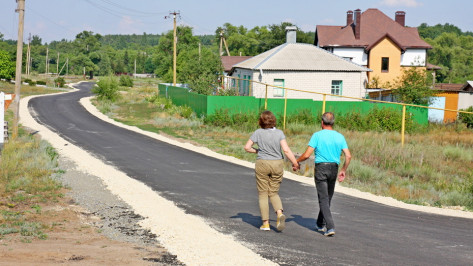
(374, 26)
(432, 67)
(448, 87)
(229, 61)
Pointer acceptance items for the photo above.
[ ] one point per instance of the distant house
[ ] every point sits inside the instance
(229, 61)
(303, 67)
(465, 97)
(374, 40)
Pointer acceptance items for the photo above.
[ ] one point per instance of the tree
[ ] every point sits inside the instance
(200, 70)
(413, 87)
(36, 40)
(467, 118)
(7, 66)
(164, 51)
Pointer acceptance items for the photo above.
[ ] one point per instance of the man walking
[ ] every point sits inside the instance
(328, 145)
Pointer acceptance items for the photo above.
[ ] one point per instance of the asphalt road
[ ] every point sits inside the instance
(225, 195)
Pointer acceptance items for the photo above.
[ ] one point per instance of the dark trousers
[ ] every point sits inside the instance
(325, 178)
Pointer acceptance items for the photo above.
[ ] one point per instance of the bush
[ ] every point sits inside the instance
(41, 82)
(107, 89)
(126, 81)
(467, 118)
(30, 82)
(60, 82)
(221, 118)
(377, 119)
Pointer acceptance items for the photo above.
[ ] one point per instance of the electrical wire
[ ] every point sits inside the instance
(51, 21)
(133, 10)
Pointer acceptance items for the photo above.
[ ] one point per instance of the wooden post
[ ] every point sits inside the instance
(285, 108)
(323, 104)
(266, 98)
(403, 124)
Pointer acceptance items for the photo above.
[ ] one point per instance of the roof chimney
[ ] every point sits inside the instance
(291, 34)
(357, 23)
(349, 17)
(401, 18)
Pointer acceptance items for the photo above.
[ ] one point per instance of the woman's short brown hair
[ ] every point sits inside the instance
(267, 120)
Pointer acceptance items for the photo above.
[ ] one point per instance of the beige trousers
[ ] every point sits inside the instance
(269, 175)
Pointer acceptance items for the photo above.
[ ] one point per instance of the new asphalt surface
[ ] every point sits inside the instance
(225, 195)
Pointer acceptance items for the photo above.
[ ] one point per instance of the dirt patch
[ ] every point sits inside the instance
(73, 235)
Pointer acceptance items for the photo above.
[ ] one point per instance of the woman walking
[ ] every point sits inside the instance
(269, 167)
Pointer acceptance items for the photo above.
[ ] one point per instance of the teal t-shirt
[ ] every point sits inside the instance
(328, 145)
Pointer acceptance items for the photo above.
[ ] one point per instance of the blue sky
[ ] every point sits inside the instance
(64, 19)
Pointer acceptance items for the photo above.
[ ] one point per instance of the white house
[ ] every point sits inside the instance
(304, 67)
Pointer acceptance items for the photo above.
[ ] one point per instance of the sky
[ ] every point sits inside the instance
(64, 19)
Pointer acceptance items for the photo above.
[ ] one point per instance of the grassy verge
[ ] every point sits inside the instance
(27, 165)
(434, 168)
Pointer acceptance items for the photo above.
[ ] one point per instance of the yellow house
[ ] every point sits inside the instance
(374, 40)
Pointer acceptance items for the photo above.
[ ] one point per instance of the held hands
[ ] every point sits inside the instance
(341, 176)
(296, 167)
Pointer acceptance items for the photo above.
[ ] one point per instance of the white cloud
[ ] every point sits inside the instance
(401, 3)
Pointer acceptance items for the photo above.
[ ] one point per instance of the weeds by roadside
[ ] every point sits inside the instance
(27, 165)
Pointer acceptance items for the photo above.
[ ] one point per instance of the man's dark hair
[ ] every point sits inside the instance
(328, 119)
(267, 120)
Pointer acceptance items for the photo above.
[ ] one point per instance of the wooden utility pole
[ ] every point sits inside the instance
(57, 65)
(222, 39)
(19, 58)
(47, 61)
(174, 15)
(28, 56)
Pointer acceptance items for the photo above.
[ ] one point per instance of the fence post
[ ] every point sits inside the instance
(403, 124)
(266, 98)
(323, 104)
(285, 108)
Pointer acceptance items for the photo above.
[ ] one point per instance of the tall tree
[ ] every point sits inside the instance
(7, 66)
(413, 87)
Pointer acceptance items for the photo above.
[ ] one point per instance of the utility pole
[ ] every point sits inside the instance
(19, 58)
(47, 61)
(222, 39)
(57, 65)
(174, 14)
(28, 56)
(135, 67)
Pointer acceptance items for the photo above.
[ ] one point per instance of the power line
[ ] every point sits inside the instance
(52, 21)
(133, 10)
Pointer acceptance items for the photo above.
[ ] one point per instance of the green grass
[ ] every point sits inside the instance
(27, 165)
(434, 167)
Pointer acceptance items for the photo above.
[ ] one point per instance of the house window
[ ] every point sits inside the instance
(278, 92)
(385, 64)
(336, 87)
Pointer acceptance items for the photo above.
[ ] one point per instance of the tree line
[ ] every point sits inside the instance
(198, 56)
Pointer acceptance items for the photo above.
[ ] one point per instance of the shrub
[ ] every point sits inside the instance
(305, 117)
(377, 119)
(467, 118)
(60, 82)
(107, 89)
(221, 118)
(126, 81)
(41, 82)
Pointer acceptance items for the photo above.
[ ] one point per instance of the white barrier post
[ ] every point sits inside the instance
(2, 119)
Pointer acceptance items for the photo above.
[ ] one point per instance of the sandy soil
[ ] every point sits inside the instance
(73, 237)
